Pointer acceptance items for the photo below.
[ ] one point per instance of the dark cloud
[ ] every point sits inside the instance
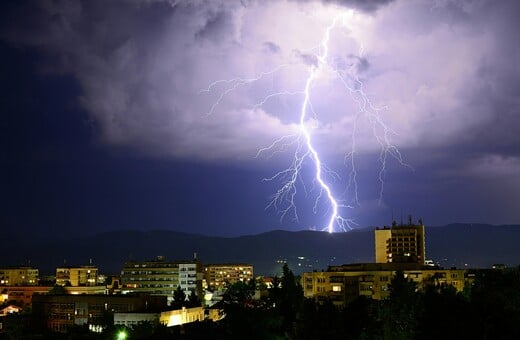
(217, 27)
(446, 70)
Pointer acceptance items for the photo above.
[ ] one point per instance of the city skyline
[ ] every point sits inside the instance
(107, 124)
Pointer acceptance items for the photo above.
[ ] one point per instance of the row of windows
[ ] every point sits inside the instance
(132, 279)
(149, 272)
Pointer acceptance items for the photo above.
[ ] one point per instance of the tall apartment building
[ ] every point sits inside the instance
(190, 278)
(220, 275)
(77, 276)
(161, 277)
(19, 276)
(400, 243)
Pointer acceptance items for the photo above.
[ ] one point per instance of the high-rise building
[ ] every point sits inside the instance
(190, 278)
(18, 276)
(400, 243)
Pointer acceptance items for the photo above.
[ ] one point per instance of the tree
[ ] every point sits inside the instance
(179, 298)
(239, 293)
(193, 299)
(288, 299)
(402, 310)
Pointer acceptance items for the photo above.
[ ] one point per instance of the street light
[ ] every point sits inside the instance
(121, 335)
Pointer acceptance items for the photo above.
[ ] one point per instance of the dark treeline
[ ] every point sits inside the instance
(488, 309)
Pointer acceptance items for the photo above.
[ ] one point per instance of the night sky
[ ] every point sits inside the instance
(105, 123)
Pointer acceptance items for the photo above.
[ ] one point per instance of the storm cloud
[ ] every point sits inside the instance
(446, 73)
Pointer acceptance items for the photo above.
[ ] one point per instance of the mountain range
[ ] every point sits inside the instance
(455, 245)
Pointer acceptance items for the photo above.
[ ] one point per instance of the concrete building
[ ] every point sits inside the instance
(77, 276)
(342, 284)
(130, 319)
(190, 278)
(23, 295)
(181, 316)
(161, 277)
(60, 313)
(400, 243)
(19, 276)
(169, 318)
(396, 248)
(218, 276)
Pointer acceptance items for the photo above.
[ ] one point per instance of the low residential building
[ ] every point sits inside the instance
(11, 309)
(18, 276)
(23, 295)
(130, 319)
(218, 276)
(342, 284)
(60, 313)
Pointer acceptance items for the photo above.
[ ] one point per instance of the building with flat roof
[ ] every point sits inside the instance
(60, 313)
(397, 248)
(77, 276)
(218, 276)
(23, 295)
(161, 277)
(19, 276)
(343, 284)
(400, 243)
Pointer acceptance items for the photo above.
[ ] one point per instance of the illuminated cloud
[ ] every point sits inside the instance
(142, 64)
(445, 74)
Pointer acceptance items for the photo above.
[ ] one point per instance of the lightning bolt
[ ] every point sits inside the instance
(283, 200)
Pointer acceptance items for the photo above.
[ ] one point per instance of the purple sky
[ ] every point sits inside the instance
(109, 127)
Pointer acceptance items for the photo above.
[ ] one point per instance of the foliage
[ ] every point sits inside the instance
(179, 298)
(193, 300)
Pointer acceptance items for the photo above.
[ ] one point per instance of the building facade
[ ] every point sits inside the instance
(397, 248)
(77, 276)
(218, 276)
(161, 277)
(19, 276)
(400, 244)
(190, 278)
(342, 284)
(23, 295)
(60, 313)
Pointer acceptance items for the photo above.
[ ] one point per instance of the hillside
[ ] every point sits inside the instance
(474, 245)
